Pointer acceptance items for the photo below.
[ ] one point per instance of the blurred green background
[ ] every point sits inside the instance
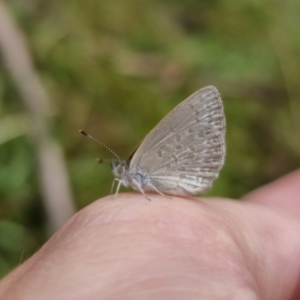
(115, 68)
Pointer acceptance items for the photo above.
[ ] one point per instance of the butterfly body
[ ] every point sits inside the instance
(131, 177)
(183, 153)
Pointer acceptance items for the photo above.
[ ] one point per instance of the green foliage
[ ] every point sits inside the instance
(115, 68)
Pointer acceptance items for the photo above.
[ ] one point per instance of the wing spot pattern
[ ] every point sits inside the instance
(177, 138)
(160, 153)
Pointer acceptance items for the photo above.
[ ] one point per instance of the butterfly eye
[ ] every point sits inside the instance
(120, 170)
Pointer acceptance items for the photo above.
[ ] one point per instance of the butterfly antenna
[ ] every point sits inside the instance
(102, 144)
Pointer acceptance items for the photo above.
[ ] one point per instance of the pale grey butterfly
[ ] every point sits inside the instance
(183, 154)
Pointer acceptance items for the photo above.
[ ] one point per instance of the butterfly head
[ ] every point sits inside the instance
(119, 168)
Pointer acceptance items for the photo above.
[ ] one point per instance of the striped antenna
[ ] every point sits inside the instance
(102, 144)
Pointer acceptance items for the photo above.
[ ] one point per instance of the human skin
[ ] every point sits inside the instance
(179, 248)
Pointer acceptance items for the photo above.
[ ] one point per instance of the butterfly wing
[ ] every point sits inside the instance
(185, 151)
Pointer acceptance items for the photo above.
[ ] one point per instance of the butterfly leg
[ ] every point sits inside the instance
(113, 184)
(140, 189)
(118, 187)
(159, 192)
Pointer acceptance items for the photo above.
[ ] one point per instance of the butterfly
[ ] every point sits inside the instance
(183, 154)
